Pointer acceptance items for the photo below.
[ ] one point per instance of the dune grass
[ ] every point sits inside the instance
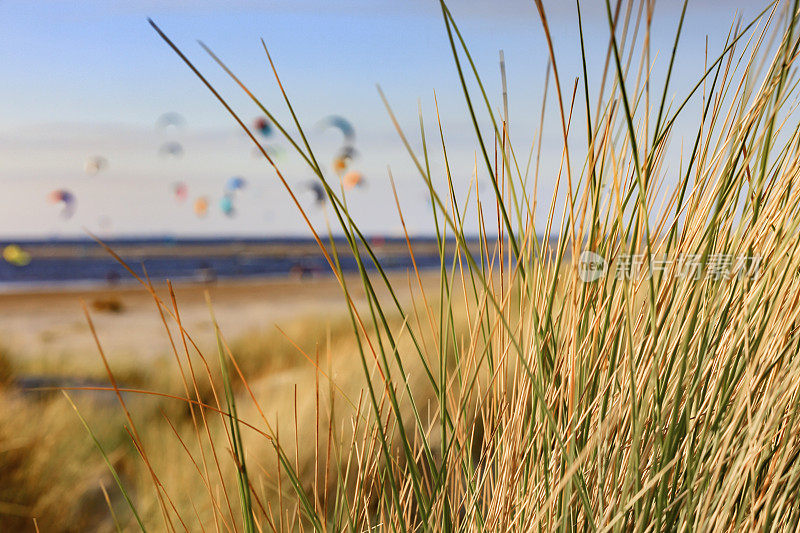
(51, 468)
(664, 401)
(516, 395)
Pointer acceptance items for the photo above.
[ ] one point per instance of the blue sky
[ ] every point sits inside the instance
(91, 78)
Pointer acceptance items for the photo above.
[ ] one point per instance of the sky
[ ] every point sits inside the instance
(84, 79)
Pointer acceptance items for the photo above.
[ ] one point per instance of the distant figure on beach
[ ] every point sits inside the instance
(206, 273)
(112, 277)
(302, 271)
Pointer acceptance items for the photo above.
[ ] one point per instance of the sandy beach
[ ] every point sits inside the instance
(46, 330)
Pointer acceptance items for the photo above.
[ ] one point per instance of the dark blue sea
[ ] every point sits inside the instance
(84, 261)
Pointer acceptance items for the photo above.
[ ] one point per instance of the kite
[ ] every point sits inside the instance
(235, 183)
(66, 199)
(352, 179)
(319, 192)
(263, 126)
(170, 119)
(95, 164)
(226, 205)
(341, 124)
(171, 148)
(201, 206)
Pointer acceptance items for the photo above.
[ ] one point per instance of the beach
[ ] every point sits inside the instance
(45, 331)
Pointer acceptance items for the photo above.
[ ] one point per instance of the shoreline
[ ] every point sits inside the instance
(35, 288)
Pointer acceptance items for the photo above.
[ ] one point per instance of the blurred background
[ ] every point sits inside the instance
(86, 86)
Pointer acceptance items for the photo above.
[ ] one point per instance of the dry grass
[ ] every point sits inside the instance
(50, 469)
(514, 395)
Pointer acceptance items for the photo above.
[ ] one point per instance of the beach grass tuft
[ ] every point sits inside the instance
(638, 372)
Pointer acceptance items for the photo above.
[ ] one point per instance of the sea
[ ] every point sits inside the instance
(78, 262)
